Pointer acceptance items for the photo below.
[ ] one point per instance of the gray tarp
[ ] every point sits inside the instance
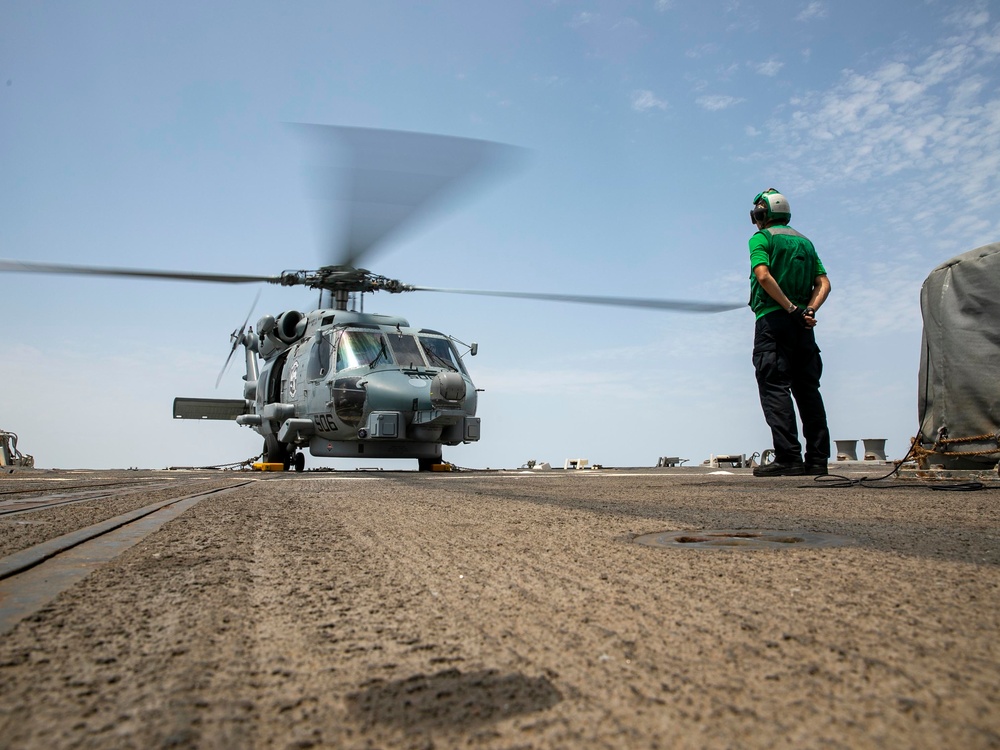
(959, 386)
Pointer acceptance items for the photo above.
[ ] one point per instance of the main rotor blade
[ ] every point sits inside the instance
(653, 304)
(383, 179)
(22, 266)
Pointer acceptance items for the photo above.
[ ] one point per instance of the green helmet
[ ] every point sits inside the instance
(770, 206)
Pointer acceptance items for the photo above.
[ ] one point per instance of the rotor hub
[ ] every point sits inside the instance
(343, 279)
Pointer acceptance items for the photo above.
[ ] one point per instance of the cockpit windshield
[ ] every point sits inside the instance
(441, 353)
(359, 348)
(405, 349)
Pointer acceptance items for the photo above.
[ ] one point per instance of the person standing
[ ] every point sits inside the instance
(788, 284)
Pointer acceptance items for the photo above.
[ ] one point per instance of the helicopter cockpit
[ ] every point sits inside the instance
(366, 347)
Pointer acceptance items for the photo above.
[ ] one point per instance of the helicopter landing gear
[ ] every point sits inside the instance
(278, 453)
(299, 461)
(426, 464)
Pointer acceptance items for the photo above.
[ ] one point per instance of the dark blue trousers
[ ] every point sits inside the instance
(787, 362)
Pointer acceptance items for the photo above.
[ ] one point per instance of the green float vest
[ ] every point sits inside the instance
(793, 263)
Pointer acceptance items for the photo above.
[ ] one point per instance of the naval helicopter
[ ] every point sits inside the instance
(340, 382)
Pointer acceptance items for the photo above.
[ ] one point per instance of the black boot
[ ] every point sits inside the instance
(780, 469)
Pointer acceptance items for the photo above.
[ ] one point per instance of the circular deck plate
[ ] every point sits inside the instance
(741, 539)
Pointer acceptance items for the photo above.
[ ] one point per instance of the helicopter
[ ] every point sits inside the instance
(337, 381)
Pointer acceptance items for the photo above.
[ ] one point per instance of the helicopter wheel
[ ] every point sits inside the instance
(277, 453)
(299, 461)
(426, 464)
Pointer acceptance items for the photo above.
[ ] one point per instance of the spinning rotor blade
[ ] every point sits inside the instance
(21, 266)
(653, 304)
(386, 178)
(237, 339)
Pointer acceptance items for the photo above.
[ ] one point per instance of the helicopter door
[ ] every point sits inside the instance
(274, 379)
(271, 395)
(320, 355)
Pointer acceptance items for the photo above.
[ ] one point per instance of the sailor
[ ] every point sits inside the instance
(788, 284)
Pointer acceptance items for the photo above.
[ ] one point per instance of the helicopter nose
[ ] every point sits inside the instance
(447, 389)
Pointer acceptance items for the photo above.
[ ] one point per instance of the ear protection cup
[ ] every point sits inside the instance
(775, 207)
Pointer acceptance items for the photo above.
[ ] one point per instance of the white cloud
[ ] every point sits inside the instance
(967, 90)
(876, 299)
(702, 50)
(944, 64)
(727, 72)
(663, 5)
(813, 11)
(644, 100)
(971, 17)
(718, 102)
(769, 68)
(989, 42)
(914, 142)
(584, 18)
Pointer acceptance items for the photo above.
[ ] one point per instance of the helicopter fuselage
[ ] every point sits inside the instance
(358, 385)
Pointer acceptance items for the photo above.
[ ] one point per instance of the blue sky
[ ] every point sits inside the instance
(154, 135)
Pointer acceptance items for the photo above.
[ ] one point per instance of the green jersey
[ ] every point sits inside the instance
(792, 261)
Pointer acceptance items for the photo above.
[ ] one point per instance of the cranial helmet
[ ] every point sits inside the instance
(770, 206)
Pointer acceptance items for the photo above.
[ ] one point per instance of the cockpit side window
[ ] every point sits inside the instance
(359, 348)
(405, 349)
(319, 354)
(441, 353)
